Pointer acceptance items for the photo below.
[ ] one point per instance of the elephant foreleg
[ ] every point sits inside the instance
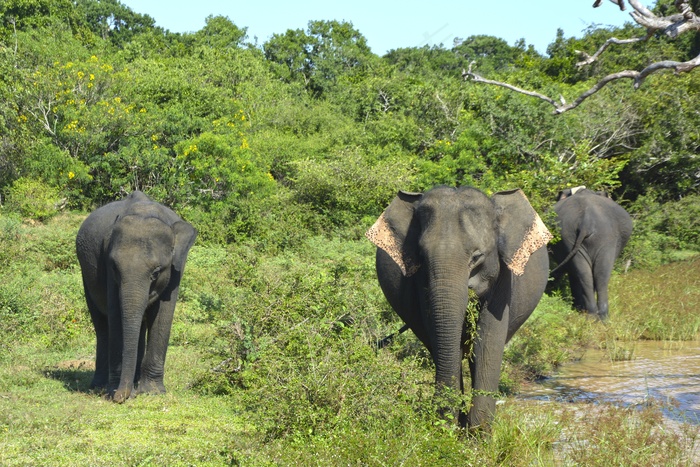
(485, 364)
(159, 319)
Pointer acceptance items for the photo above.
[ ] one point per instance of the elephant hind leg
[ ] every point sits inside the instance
(582, 285)
(601, 275)
(100, 380)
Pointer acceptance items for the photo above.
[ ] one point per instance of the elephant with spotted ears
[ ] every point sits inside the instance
(132, 255)
(432, 248)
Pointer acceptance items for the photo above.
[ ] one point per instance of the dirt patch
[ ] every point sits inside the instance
(80, 364)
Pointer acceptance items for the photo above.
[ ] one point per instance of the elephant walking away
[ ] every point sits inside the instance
(594, 231)
(132, 255)
(435, 246)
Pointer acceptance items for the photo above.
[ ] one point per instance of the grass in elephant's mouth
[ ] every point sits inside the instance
(302, 386)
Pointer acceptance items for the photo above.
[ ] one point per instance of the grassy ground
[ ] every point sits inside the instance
(271, 363)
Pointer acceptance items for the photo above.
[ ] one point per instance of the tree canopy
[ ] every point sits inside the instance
(96, 101)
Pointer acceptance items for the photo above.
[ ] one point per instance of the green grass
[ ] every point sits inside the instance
(271, 363)
(48, 418)
(659, 304)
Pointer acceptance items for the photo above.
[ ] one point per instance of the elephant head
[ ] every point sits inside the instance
(435, 246)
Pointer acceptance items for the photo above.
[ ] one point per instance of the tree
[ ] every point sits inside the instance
(319, 56)
(110, 19)
(654, 23)
(220, 33)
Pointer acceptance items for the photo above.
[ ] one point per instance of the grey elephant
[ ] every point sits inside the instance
(435, 246)
(594, 230)
(132, 255)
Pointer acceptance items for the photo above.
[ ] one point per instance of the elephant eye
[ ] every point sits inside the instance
(155, 273)
(476, 258)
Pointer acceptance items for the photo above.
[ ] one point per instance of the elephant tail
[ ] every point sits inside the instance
(577, 246)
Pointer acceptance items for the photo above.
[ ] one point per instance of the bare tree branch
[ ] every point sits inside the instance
(476, 78)
(592, 58)
(619, 3)
(673, 26)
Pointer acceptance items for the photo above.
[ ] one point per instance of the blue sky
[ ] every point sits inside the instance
(393, 24)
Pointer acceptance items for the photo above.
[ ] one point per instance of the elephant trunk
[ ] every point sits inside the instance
(133, 299)
(448, 299)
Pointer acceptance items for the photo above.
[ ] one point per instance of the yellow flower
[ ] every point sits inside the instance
(81, 75)
(71, 175)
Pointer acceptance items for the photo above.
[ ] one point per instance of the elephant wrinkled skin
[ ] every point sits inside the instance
(594, 231)
(432, 248)
(132, 255)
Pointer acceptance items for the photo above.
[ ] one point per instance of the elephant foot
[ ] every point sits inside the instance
(120, 395)
(149, 386)
(98, 385)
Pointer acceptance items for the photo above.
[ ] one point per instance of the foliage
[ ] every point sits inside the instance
(349, 184)
(272, 360)
(663, 232)
(319, 57)
(218, 127)
(33, 199)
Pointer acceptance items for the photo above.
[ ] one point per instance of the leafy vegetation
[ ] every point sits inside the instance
(272, 361)
(282, 156)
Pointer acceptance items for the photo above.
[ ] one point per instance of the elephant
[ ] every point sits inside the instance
(132, 255)
(594, 231)
(432, 248)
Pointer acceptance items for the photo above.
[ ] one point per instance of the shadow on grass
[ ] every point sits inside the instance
(75, 375)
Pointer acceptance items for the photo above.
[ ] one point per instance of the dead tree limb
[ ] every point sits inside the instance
(673, 26)
(469, 74)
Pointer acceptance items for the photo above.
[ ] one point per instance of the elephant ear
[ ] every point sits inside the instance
(185, 235)
(396, 232)
(522, 232)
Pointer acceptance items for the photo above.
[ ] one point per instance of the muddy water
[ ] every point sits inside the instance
(665, 373)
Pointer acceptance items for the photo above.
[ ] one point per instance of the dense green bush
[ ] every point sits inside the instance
(663, 232)
(33, 199)
(348, 187)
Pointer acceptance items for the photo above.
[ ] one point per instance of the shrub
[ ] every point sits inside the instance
(348, 187)
(663, 232)
(33, 199)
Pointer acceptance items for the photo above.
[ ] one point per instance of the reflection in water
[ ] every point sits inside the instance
(666, 373)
